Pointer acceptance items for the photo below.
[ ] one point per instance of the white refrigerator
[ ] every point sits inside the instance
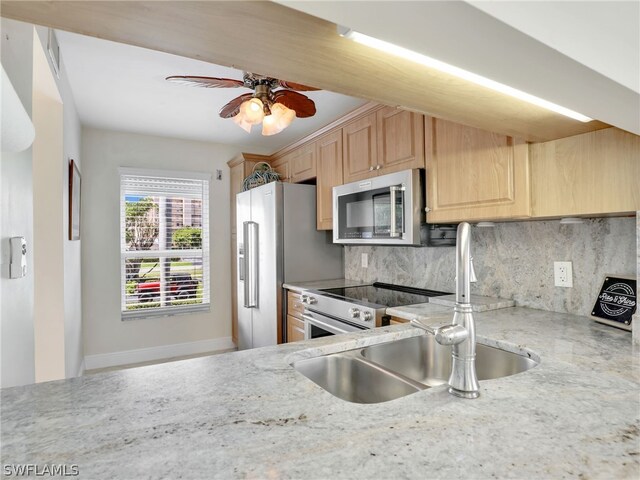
(278, 243)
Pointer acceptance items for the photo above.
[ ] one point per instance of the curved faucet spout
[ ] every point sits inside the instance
(461, 333)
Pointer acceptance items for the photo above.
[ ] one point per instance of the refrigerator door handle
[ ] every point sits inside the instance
(250, 231)
(241, 262)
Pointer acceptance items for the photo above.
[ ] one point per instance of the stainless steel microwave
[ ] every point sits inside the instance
(384, 210)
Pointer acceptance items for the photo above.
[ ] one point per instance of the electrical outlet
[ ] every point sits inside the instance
(365, 260)
(563, 274)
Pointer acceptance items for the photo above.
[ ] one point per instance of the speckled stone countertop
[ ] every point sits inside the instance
(322, 284)
(250, 415)
(478, 302)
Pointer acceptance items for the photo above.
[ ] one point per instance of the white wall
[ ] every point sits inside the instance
(103, 152)
(16, 210)
(48, 185)
(74, 349)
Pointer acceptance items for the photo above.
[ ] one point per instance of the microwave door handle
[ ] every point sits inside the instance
(393, 190)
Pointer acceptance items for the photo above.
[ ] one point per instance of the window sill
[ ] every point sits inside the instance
(164, 312)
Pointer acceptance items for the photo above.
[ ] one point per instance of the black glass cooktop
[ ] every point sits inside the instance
(384, 294)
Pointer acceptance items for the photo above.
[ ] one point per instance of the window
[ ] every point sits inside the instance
(164, 242)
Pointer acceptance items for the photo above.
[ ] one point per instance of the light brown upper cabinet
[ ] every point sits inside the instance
(590, 174)
(302, 163)
(329, 158)
(283, 168)
(385, 141)
(359, 147)
(400, 138)
(473, 174)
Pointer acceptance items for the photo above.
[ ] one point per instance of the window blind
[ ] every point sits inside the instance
(164, 240)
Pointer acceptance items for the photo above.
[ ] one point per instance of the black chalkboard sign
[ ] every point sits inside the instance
(616, 302)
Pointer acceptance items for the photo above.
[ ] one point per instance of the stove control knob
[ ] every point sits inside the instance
(354, 312)
(366, 316)
(304, 298)
(311, 300)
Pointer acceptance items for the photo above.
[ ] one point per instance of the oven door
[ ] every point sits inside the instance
(317, 325)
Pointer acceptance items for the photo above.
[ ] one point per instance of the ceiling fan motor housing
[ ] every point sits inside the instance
(263, 92)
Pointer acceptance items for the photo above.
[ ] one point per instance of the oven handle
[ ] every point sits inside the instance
(393, 233)
(325, 325)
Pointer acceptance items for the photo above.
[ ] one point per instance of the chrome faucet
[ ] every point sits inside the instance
(461, 333)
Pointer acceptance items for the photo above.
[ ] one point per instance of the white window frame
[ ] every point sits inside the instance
(205, 306)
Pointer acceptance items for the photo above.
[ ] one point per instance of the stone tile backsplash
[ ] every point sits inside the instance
(514, 260)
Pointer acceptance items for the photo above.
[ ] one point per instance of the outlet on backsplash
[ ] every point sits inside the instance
(563, 274)
(365, 260)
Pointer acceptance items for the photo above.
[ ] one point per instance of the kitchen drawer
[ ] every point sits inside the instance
(294, 305)
(397, 321)
(295, 329)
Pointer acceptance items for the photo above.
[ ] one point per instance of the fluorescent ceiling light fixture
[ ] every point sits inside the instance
(457, 72)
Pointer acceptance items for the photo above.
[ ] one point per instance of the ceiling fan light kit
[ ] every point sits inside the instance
(280, 118)
(274, 102)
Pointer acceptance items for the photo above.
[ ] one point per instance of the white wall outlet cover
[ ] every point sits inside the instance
(365, 260)
(563, 274)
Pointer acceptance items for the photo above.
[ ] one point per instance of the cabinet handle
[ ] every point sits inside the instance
(378, 167)
(371, 168)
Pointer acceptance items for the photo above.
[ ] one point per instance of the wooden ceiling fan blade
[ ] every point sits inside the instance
(232, 108)
(296, 86)
(303, 106)
(206, 82)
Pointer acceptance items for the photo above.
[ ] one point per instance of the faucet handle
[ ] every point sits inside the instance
(445, 333)
(432, 329)
(472, 271)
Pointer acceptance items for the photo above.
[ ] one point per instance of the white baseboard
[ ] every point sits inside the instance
(162, 352)
(81, 369)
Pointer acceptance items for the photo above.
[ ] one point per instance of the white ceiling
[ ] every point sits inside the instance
(603, 35)
(583, 55)
(122, 87)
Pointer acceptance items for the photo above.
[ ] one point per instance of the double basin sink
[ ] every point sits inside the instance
(387, 371)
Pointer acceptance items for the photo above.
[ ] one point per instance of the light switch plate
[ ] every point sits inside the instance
(563, 274)
(365, 260)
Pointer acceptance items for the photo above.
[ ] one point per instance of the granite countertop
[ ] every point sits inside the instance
(478, 302)
(249, 414)
(322, 284)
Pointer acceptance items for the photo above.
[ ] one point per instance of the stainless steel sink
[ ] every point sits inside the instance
(426, 361)
(384, 372)
(350, 378)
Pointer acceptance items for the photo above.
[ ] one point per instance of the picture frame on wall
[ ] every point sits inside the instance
(74, 200)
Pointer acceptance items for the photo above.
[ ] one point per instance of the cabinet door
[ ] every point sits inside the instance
(473, 174)
(359, 149)
(400, 140)
(295, 329)
(329, 158)
(590, 174)
(302, 162)
(282, 167)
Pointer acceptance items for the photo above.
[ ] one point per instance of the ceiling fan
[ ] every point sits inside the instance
(273, 102)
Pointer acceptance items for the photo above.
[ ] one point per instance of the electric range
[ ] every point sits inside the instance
(349, 309)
